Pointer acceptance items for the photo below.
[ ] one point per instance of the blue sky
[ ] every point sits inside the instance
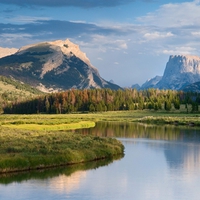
(128, 41)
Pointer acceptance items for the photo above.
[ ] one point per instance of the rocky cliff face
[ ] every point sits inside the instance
(181, 70)
(53, 66)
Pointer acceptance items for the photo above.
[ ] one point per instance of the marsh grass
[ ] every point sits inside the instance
(42, 174)
(50, 126)
(145, 116)
(23, 149)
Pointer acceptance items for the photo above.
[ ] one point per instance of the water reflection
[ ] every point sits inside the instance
(63, 183)
(139, 130)
(179, 144)
(66, 177)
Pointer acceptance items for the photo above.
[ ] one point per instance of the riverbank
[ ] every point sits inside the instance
(22, 150)
(86, 120)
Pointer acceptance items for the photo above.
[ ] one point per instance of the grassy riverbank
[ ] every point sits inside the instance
(23, 149)
(86, 120)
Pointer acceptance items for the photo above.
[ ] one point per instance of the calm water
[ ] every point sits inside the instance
(160, 163)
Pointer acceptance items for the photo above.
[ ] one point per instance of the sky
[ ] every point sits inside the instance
(128, 41)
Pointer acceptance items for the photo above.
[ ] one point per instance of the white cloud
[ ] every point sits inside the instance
(174, 15)
(157, 35)
(27, 19)
(180, 50)
(196, 33)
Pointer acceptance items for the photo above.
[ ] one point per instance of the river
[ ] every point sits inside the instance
(160, 163)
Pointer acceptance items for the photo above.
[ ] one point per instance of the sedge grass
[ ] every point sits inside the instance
(144, 116)
(23, 149)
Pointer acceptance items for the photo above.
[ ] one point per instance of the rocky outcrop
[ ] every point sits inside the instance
(181, 70)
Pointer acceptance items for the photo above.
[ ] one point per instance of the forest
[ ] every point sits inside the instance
(101, 100)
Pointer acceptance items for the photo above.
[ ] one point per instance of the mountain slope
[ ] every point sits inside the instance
(181, 70)
(14, 91)
(151, 83)
(7, 51)
(53, 66)
(194, 87)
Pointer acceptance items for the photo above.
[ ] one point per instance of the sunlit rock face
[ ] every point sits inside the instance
(7, 51)
(181, 70)
(53, 66)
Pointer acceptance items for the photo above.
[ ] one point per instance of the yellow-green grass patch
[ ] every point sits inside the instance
(54, 127)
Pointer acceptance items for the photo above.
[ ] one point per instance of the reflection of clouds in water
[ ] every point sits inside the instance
(183, 158)
(65, 183)
(166, 169)
(185, 162)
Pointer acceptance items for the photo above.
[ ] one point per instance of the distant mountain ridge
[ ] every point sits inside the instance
(53, 66)
(151, 83)
(180, 72)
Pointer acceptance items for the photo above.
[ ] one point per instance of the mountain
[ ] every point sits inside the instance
(53, 66)
(194, 87)
(151, 83)
(7, 51)
(180, 71)
(135, 86)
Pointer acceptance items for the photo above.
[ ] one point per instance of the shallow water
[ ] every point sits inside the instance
(160, 163)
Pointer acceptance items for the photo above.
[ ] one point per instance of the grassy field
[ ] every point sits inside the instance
(86, 120)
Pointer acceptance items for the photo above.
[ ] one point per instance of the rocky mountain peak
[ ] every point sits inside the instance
(180, 70)
(55, 65)
(184, 63)
(69, 48)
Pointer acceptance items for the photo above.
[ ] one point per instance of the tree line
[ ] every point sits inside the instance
(99, 100)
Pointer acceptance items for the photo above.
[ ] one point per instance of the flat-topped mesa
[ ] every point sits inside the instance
(184, 63)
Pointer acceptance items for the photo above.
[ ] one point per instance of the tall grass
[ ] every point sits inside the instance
(24, 150)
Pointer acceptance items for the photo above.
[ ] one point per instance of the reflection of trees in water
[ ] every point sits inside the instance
(181, 146)
(68, 170)
(138, 130)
